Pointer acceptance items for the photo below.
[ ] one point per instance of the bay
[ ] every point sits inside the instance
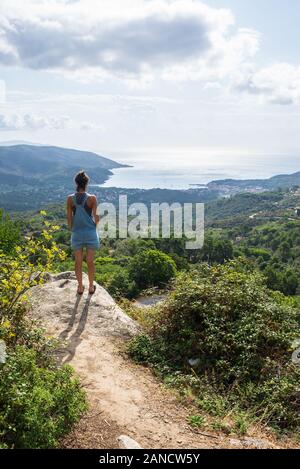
(191, 167)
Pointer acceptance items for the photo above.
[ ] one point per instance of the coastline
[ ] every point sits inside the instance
(225, 185)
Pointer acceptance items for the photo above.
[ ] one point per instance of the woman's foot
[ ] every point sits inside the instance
(92, 289)
(80, 290)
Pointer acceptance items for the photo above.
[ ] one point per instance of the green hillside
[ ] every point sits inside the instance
(29, 164)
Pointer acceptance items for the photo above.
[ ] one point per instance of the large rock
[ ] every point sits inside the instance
(256, 443)
(125, 442)
(59, 308)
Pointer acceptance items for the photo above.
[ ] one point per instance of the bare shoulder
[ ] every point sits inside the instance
(93, 198)
(70, 199)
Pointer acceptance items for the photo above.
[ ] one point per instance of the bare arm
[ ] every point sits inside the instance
(70, 212)
(94, 210)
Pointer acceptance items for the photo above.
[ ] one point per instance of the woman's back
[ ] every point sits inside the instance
(82, 212)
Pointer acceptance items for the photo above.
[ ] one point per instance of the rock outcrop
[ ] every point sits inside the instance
(59, 308)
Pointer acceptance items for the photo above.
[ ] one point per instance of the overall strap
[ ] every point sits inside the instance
(84, 199)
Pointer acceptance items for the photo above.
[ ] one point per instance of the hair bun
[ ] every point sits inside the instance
(82, 180)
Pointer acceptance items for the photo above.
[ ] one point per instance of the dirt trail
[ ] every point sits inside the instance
(124, 398)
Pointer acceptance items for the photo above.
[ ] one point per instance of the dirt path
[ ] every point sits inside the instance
(124, 398)
(131, 399)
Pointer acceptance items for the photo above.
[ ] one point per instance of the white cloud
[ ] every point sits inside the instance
(278, 83)
(139, 41)
(91, 126)
(229, 54)
(2, 91)
(134, 39)
(15, 122)
(10, 121)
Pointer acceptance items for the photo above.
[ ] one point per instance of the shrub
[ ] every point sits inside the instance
(240, 335)
(115, 278)
(285, 280)
(39, 400)
(130, 247)
(37, 404)
(118, 284)
(9, 233)
(152, 268)
(215, 250)
(259, 253)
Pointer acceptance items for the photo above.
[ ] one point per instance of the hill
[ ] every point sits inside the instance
(33, 176)
(231, 186)
(40, 165)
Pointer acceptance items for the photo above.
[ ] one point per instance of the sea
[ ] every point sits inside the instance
(190, 167)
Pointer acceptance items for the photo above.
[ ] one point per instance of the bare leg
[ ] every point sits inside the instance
(91, 268)
(78, 268)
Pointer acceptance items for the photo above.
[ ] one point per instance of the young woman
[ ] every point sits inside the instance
(82, 220)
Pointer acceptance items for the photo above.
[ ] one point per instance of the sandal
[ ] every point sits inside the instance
(94, 289)
(80, 292)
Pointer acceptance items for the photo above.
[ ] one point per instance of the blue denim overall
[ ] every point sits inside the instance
(84, 232)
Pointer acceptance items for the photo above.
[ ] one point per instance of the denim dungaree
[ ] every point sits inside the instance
(84, 231)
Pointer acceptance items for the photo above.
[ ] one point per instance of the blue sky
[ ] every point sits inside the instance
(112, 75)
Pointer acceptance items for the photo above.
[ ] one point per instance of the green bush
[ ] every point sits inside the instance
(9, 233)
(115, 278)
(130, 247)
(259, 253)
(216, 250)
(39, 400)
(240, 336)
(37, 404)
(283, 280)
(118, 283)
(152, 268)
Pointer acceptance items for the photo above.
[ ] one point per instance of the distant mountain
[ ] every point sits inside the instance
(31, 164)
(231, 186)
(33, 176)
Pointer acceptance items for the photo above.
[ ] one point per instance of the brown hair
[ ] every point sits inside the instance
(81, 180)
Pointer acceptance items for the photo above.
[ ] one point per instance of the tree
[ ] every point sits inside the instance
(131, 247)
(9, 233)
(216, 250)
(284, 280)
(285, 250)
(152, 268)
(120, 285)
(290, 282)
